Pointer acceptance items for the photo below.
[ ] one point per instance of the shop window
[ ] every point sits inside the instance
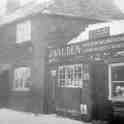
(23, 32)
(22, 80)
(116, 80)
(72, 75)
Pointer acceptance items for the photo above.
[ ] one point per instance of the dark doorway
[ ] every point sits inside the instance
(51, 93)
(102, 109)
(4, 88)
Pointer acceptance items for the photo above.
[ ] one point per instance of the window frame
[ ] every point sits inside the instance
(73, 76)
(23, 31)
(24, 83)
(111, 97)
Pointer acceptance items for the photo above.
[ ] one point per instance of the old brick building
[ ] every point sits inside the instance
(24, 38)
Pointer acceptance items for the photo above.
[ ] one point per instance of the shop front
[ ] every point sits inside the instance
(85, 77)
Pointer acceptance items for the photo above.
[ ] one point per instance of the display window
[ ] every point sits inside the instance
(72, 75)
(116, 81)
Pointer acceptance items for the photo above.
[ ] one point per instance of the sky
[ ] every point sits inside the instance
(120, 4)
(2, 6)
(22, 3)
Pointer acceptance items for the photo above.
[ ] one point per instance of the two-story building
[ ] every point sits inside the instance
(24, 38)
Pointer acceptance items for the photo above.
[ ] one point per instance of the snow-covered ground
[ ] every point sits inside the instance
(8, 116)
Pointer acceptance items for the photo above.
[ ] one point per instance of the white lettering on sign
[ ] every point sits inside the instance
(67, 51)
(88, 47)
(99, 33)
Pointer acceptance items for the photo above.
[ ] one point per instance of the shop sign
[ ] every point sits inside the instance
(99, 33)
(65, 51)
(103, 45)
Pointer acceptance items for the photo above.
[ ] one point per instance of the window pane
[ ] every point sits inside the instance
(23, 32)
(22, 77)
(70, 75)
(118, 89)
(117, 80)
(118, 73)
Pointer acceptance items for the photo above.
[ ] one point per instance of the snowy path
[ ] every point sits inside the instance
(13, 117)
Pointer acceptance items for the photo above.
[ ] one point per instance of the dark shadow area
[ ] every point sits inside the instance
(4, 88)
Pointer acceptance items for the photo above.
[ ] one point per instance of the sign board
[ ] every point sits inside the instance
(99, 33)
(71, 50)
(102, 46)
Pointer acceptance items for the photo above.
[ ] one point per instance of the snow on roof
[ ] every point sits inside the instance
(116, 28)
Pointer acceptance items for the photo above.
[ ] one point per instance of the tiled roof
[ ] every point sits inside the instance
(91, 9)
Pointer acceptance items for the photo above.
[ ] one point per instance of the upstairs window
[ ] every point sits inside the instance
(23, 32)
